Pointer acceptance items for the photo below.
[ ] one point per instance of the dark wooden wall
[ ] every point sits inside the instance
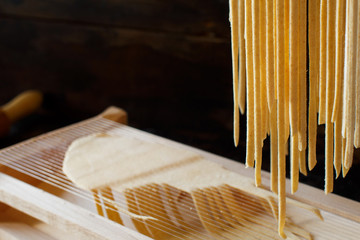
(166, 62)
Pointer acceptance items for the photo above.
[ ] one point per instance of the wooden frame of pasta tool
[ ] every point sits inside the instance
(54, 216)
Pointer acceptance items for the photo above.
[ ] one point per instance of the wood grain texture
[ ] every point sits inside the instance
(19, 226)
(72, 45)
(82, 61)
(190, 17)
(57, 212)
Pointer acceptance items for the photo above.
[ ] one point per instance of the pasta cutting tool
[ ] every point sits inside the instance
(32, 182)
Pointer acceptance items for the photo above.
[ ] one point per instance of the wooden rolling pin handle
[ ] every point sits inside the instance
(21, 106)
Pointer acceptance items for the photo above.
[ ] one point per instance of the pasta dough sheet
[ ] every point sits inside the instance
(136, 167)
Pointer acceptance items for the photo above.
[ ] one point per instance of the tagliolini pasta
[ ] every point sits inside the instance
(274, 48)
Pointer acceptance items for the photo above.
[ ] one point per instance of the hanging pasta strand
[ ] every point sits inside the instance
(274, 149)
(257, 89)
(270, 76)
(235, 60)
(242, 62)
(263, 90)
(346, 69)
(338, 141)
(339, 56)
(302, 87)
(322, 74)
(275, 51)
(330, 82)
(343, 168)
(339, 77)
(286, 70)
(317, 63)
(294, 93)
(280, 55)
(294, 163)
(294, 66)
(357, 80)
(313, 79)
(351, 84)
(272, 93)
(250, 149)
(302, 76)
(302, 162)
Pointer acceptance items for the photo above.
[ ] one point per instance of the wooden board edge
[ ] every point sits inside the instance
(60, 213)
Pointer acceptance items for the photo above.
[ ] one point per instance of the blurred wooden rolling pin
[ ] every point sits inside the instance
(21, 106)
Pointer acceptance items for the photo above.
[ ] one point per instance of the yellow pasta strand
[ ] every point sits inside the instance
(275, 51)
(344, 169)
(322, 74)
(302, 162)
(274, 149)
(235, 56)
(242, 62)
(339, 56)
(357, 80)
(317, 63)
(250, 149)
(263, 90)
(294, 163)
(339, 77)
(257, 89)
(270, 75)
(302, 88)
(350, 113)
(294, 67)
(313, 79)
(338, 145)
(302, 78)
(346, 69)
(280, 54)
(330, 82)
(286, 69)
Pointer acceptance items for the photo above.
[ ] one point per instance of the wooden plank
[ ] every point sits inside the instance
(20, 231)
(177, 16)
(57, 212)
(20, 226)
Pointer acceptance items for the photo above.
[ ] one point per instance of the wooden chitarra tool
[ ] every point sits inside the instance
(128, 184)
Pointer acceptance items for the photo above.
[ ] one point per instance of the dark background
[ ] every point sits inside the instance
(167, 63)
